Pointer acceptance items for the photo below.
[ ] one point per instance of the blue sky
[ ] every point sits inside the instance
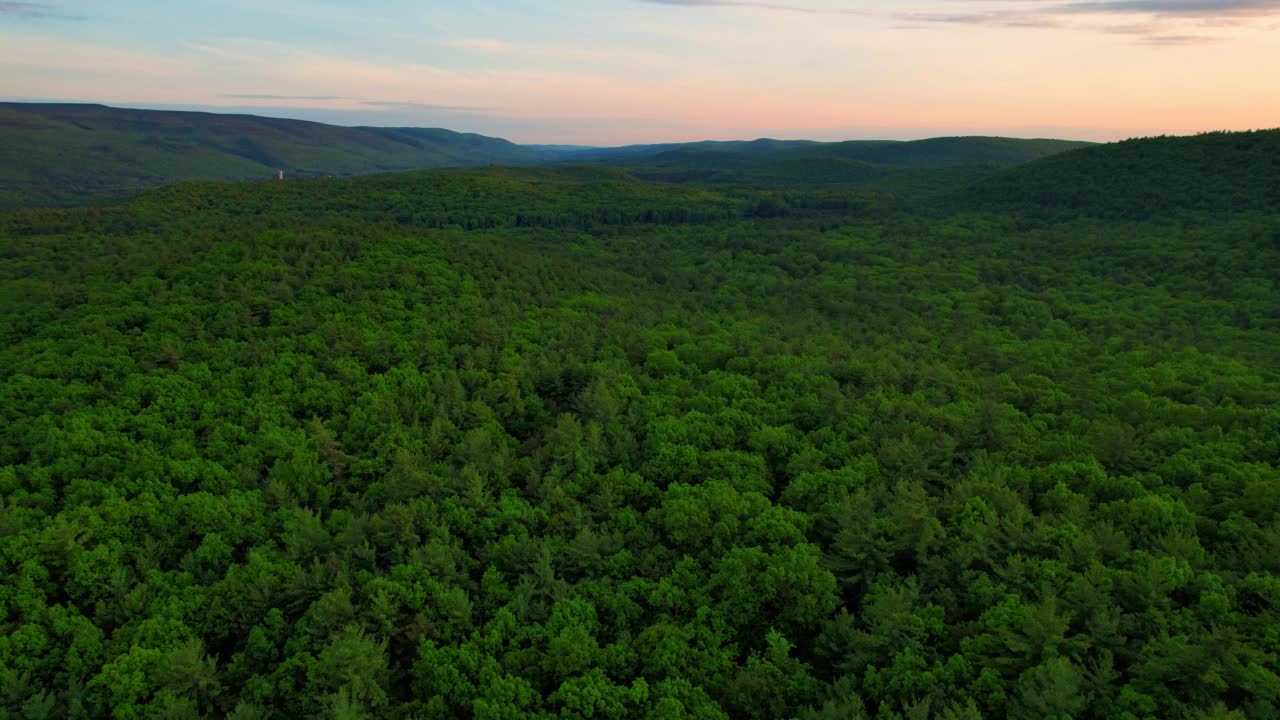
(619, 71)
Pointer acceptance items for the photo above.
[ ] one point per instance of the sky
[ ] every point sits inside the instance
(611, 72)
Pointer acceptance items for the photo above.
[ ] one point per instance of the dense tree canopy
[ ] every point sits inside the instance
(390, 448)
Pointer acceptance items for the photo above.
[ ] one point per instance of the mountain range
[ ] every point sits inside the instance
(78, 154)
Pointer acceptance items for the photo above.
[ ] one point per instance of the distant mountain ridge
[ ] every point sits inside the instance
(931, 152)
(623, 152)
(928, 166)
(55, 154)
(77, 154)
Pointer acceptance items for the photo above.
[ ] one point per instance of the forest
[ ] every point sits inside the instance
(562, 442)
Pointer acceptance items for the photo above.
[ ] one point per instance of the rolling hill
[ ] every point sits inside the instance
(878, 165)
(80, 154)
(944, 151)
(468, 198)
(1216, 173)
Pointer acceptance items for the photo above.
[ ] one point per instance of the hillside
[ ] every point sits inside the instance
(66, 155)
(557, 442)
(943, 151)
(933, 152)
(1213, 174)
(79, 154)
(469, 199)
(888, 165)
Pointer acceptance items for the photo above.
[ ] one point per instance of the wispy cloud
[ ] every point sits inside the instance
(33, 11)
(1003, 18)
(379, 104)
(1174, 8)
(1157, 33)
(404, 105)
(1177, 40)
(1036, 13)
(1155, 22)
(756, 5)
(247, 96)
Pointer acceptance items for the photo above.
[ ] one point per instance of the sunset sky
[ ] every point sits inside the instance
(626, 71)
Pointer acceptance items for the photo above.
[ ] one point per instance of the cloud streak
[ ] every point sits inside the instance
(379, 104)
(1173, 8)
(753, 5)
(1041, 14)
(33, 11)
(1155, 22)
(404, 105)
(1004, 19)
(1177, 40)
(283, 97)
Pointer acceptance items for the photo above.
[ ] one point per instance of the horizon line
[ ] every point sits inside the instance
(1023, 132)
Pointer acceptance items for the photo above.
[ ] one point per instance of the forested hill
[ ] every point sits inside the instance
(1207, 175)
(921, 166)
(556, 443)
(53, 154)
(937, 152)
(933, 152)
(762, 145)
(557, 197)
